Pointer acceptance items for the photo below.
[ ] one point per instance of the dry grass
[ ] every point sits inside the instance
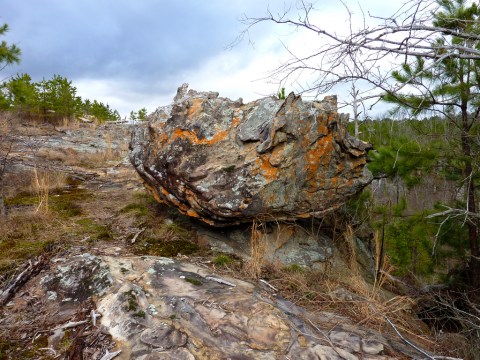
(257, 252)
(41, 184)
(33, 181)
(368, 304)
(89, 160)
(5, 125)
(69, 124)
(23, 236)
(108, 151)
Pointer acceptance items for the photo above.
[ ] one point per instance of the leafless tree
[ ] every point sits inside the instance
(6, 147)
(366, 50)
(412, 44)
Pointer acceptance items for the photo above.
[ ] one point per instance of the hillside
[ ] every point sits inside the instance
(90, 263)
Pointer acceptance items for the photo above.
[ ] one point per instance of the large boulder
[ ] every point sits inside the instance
(226, 162)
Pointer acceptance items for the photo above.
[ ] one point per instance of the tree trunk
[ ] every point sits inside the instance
(355, 110)
(471, 200)
(3, 211)
(473, 236)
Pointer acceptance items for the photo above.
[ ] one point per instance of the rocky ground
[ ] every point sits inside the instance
(92, 268)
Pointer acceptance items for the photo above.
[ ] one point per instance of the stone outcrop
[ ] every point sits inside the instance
(148, 307)
(165, 309)
(226, 162)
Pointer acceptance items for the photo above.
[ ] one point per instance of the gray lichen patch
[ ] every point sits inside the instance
(78, 279)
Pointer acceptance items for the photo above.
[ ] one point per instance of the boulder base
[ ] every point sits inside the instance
(226, 162)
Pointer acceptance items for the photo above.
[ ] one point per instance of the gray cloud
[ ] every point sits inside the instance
(130, 53)
(142, 50)
(137, 40)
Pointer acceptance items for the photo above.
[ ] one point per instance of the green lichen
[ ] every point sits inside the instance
(172, 248)
(193, 281)
(64, 204)
(19, 349)
(131, 298)
(140, 313)
(136, 208)
(229, 169)
(222, 260)
(96, 232)
(294, 268)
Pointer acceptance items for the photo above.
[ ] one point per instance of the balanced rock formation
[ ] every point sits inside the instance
(226, 162)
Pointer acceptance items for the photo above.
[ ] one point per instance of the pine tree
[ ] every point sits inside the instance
(9, 53)
(450, 86)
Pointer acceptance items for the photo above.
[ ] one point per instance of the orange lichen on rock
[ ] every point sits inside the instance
(277, 156)
(319, 155)
(192, 213)
(226, 162)
(162, 138)
(268, 171)
(172, 199)
(153, 191)
(196, 108)
(193, 138)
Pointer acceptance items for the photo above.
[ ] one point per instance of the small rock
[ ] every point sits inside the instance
(346, 340)
(51, 295)
(372, 347)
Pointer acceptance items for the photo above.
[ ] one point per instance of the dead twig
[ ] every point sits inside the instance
(137, 234)
(94, 317)
(70, 324)
(268, 284)
(110, 355)
(30, 270)
(49, 349)
(220, 281)
(408, 342)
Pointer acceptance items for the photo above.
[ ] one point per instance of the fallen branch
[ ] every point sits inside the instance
(408, 342)
(30, 270)
(94, 317)
(136, 235)
(268, 284)
(220, 281)
(70, 324)
(110, 355)
(49, 349)
(452, 211)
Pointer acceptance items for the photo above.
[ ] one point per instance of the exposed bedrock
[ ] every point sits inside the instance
(226, 162)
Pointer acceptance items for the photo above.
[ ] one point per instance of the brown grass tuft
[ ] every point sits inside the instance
(257, 251)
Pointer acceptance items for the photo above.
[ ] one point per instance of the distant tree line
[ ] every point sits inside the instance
(416, 155)
(50, 100)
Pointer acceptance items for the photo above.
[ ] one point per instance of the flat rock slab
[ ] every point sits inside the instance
(158, 308)
(226, 162)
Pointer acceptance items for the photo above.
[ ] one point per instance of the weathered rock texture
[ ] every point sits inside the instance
(159, 308)
(226, 162)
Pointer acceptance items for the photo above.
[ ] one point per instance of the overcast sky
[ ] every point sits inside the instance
(133, 54)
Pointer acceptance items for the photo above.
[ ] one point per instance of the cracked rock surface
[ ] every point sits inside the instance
(159, 308)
